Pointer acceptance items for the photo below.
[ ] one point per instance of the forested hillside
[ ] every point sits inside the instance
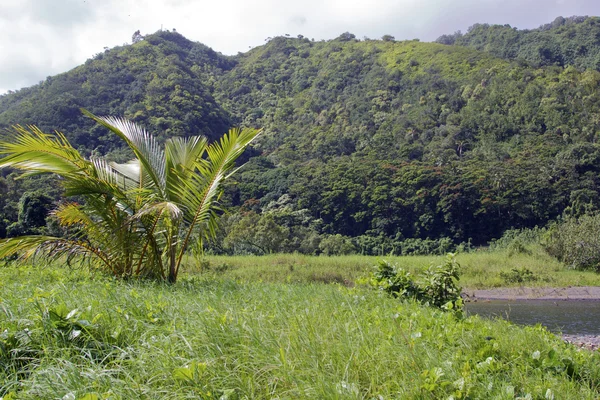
(566, 41)
(370, 145)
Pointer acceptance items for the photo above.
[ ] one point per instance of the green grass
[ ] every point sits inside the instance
(481, 269)
(217, 338)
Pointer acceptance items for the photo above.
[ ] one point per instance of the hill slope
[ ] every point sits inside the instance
(378, 140)
(566, 41)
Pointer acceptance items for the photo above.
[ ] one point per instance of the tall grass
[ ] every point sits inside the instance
(218, 338)
(480, 269)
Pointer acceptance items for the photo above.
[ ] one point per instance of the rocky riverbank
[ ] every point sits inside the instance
(588, 342)
(534, 293)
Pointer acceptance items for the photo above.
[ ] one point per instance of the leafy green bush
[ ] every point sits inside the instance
(576, 242)
(519, 275)
(395, 280)
(336, 245)
(517, 240)
(517, 247)
(437, 286)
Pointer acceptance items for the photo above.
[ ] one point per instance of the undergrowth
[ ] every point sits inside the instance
(436, 286)
(479, 269)
(70, 335)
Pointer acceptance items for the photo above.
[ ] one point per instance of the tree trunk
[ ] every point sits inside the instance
(172, 278)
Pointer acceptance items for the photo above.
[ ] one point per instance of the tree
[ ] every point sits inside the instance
(138, 218)
(33, 210)
(137, 36)
(346, 37)
(257, 234)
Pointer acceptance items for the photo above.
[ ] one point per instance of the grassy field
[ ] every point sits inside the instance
(481, 269)
(66, 334)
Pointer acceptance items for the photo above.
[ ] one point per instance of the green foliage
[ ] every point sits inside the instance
(517, 247)
(78, 332)
(565, 41)
(436, 286)
(382, 245)
(138, 218)
(34, 207)
(255, 234)
(395, 281)
(516, 241)
(519, 275)
(403, 146)
(575, 241)
(336, 245)
(219, 338)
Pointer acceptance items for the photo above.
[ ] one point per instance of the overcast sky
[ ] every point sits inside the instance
(39, 38)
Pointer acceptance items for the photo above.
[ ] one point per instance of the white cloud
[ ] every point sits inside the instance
(45, 37)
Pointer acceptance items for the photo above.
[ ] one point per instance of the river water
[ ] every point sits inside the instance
(571, 317)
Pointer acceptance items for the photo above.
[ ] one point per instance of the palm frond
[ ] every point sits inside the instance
(71, 214)
(184, 152)
(128, 174)
(144, 146)
(200, 190)
(36, 152)
(53, 248)
(95, 182)
(24, 246)
(197, 191)
(182, 155)
(170, 208)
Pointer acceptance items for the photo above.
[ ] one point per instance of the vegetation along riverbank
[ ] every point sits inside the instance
(67, 333)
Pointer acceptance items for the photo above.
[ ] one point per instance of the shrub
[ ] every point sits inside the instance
(516, 240)
(437, 286)
(334, 245)
(575, 242)
(517, 247)
(394, 280)
(519, 275)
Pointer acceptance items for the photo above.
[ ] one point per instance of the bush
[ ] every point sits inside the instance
(394, 280)
(517, 247)
(437, 286)
(516, 240)
(575, 242)
(519, 275)
(335, 245)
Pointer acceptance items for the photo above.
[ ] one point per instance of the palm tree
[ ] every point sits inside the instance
(138, 218)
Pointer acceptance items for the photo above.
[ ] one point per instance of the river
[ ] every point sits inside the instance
(570, 317)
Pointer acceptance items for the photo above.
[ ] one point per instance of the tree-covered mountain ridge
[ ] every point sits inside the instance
(382, 141)
(565, 41)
